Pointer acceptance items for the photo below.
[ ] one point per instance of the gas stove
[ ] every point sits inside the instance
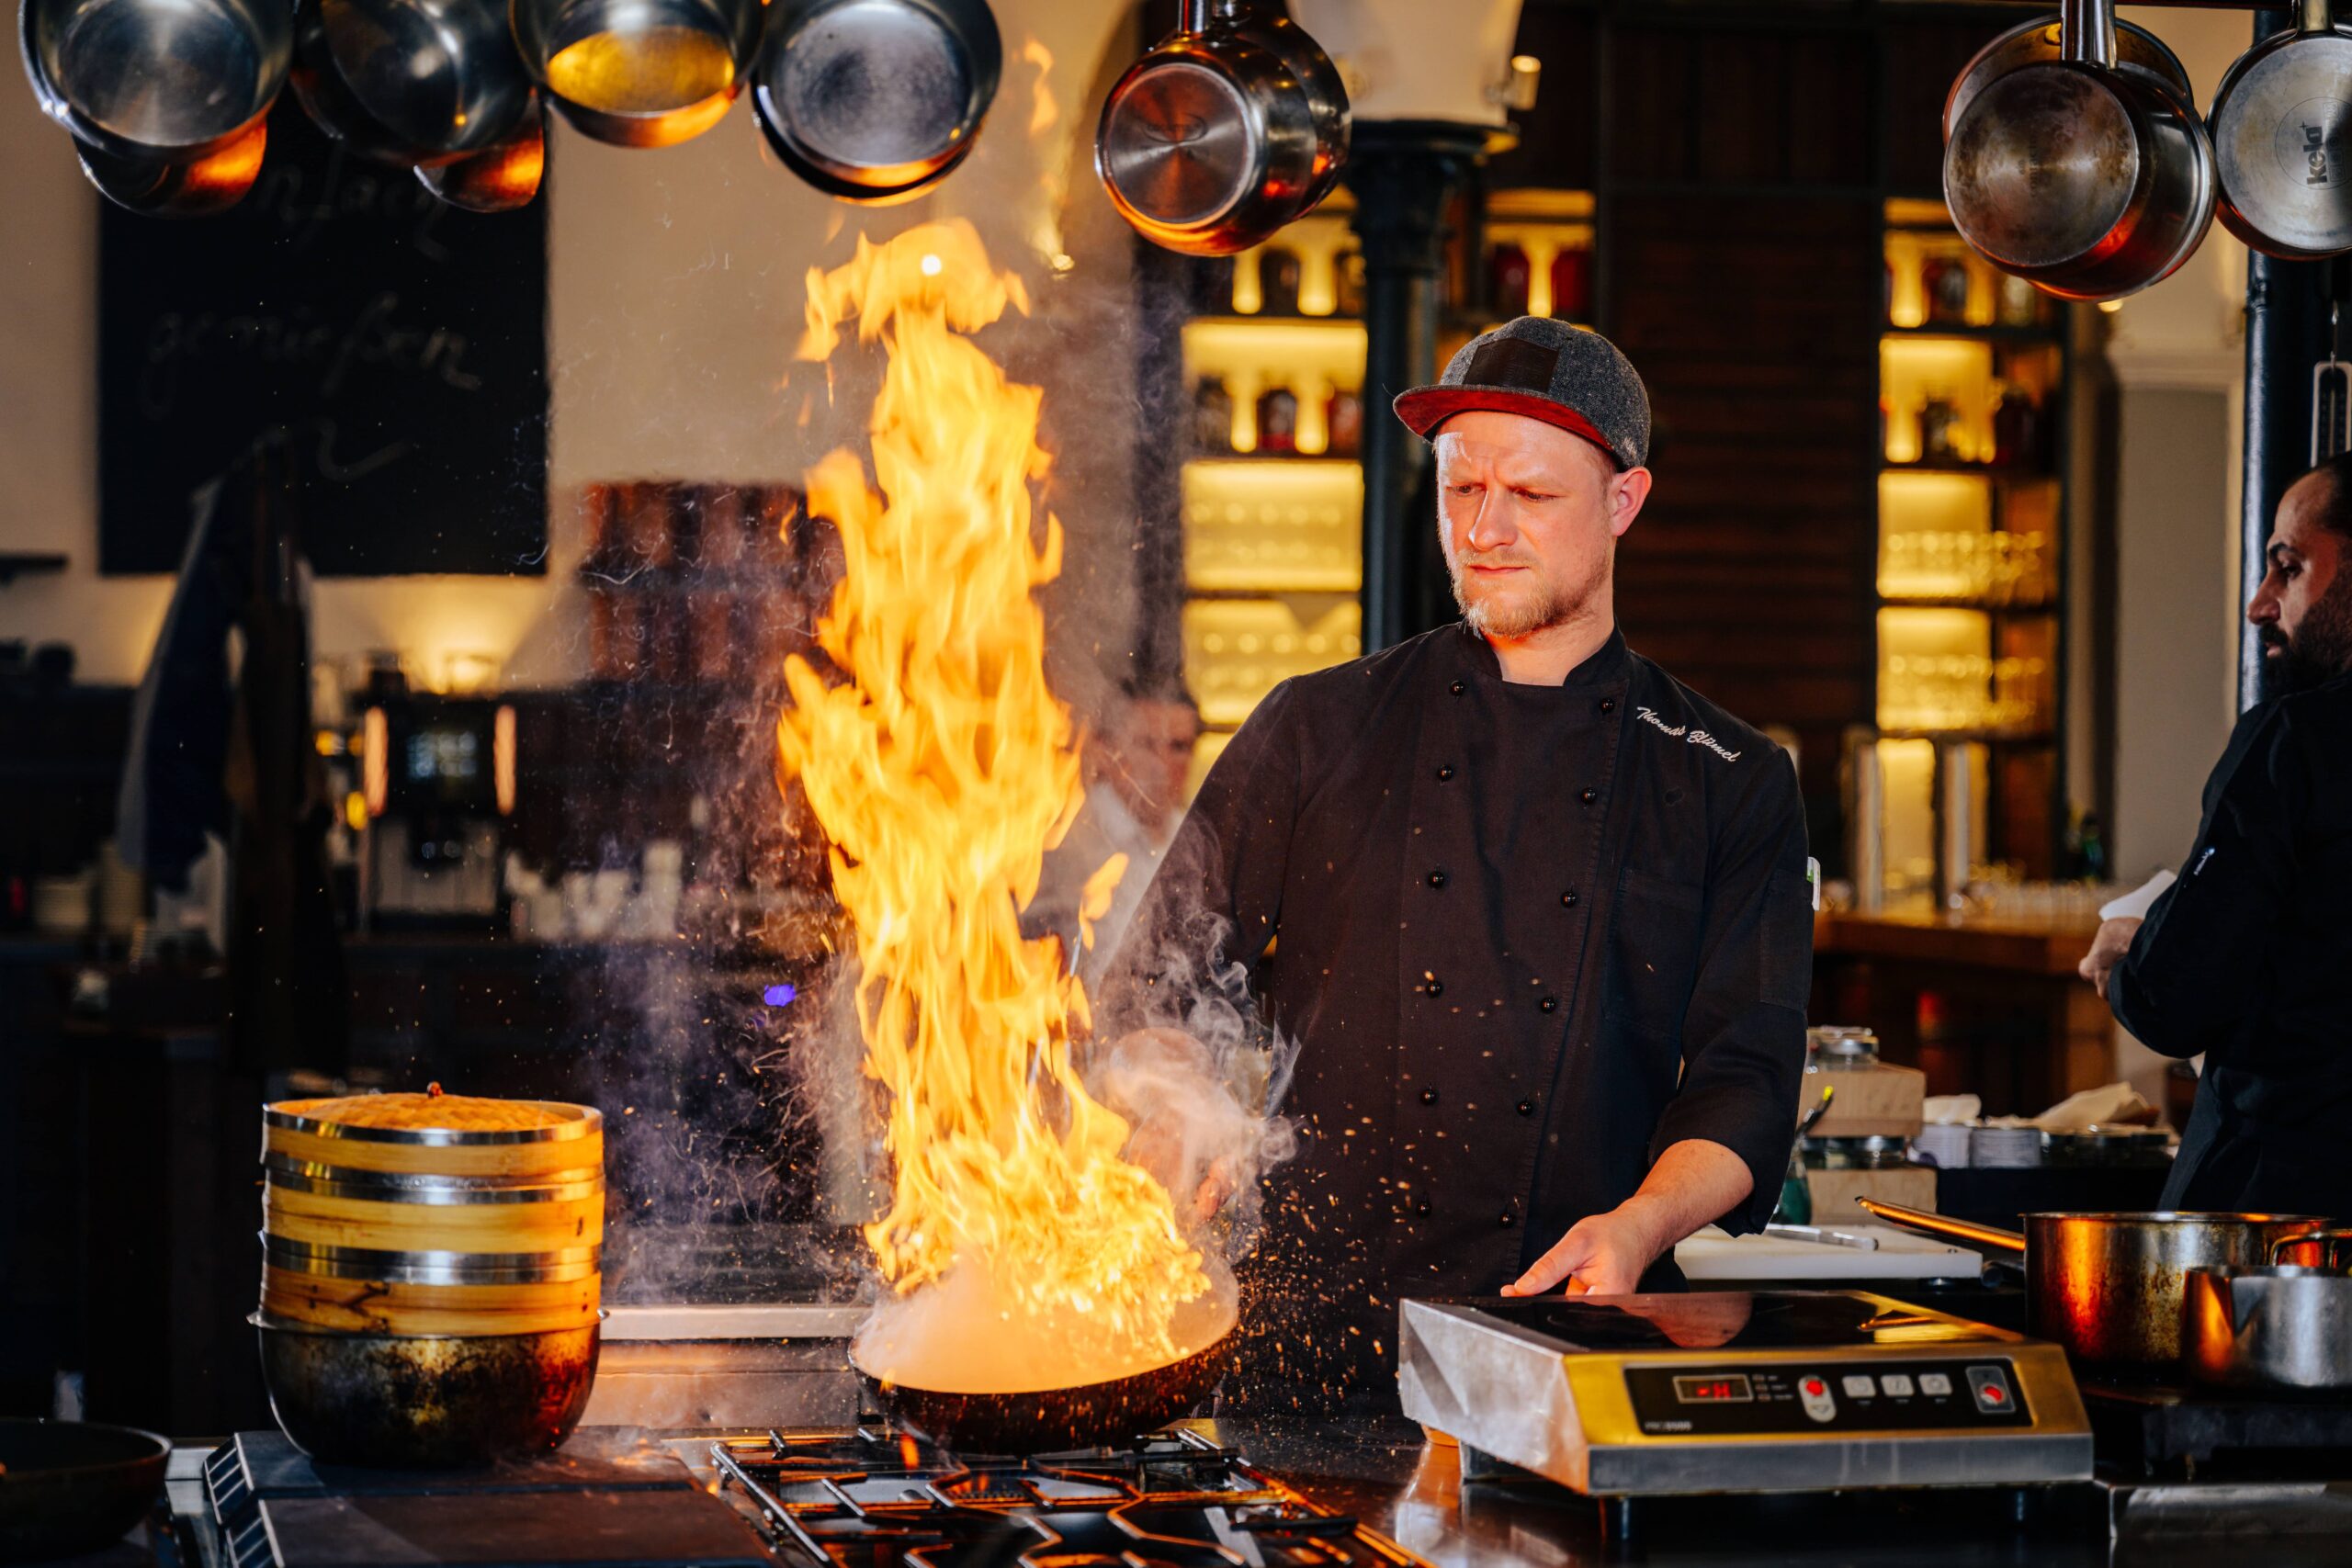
(864, 1496)
(874, 1497)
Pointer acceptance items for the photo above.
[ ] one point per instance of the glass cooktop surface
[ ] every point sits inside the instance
(1732, 1320)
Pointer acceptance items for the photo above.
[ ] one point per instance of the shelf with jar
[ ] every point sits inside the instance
(1973, 384)
(1537, 256)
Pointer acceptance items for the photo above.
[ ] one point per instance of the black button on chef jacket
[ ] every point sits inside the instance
(2244, 959)
(1526, 936)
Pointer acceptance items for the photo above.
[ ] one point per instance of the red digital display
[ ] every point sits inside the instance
(1728, 1389)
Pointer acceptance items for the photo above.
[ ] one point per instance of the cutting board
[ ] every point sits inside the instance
(1711, 1255)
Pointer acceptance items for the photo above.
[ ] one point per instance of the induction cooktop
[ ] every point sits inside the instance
(1739, 1391)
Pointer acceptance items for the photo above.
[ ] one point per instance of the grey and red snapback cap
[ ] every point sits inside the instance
(1546, 370)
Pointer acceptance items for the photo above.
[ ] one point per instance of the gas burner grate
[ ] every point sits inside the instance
(877, 1498)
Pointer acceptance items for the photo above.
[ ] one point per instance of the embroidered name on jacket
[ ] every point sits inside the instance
(1684, 733)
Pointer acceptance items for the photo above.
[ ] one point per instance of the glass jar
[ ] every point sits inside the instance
(1840, 1046)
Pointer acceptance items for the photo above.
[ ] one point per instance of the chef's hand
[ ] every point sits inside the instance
(2107, 948)
(1146, 1061)
(1695, 1180)
(1602, 1255)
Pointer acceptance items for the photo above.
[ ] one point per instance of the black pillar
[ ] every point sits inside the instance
(2287, 332)
(2286, 335)
(1403, 174)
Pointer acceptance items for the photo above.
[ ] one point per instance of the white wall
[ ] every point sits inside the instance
(676, 283)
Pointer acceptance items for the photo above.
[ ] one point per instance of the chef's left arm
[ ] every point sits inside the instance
(1721, 1145)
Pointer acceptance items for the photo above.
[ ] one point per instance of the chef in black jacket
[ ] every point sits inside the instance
(1537, 913)
(2247, 957)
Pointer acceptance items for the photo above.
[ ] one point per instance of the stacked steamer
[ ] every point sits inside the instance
(431, 1274)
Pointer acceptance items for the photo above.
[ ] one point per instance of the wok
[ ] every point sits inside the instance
(2107, 1288)
(68, 1487)
(1052, 1420)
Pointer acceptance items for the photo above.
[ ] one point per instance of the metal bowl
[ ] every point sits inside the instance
(639, 73)
(157, 81)
(425, 1402)
(197, 189)
(419, 81)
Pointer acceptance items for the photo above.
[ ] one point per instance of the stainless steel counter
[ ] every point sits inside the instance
(1386, 1475)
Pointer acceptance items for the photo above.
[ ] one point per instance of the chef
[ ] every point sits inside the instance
(2243, 957)
(1536, 913)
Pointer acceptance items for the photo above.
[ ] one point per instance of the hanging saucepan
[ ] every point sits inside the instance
(639, 73)
(499, 178)
(156, 81)
(876, 100)
(1231, 127)
(409, 81)
(2090, 182)
(2107, 1288)
(2035, 42)
(2281, 123)
(196, 187)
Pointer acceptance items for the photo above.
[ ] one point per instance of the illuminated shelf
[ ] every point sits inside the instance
(1969, 601)
(1273, 524)
(1969, 470)
(1958, 332)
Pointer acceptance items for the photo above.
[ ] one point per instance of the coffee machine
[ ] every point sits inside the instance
(437, 774)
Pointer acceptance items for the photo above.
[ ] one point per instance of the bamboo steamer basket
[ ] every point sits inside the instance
(433, 1231)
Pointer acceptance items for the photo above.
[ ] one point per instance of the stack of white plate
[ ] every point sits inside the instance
(2005, 1148)
(1945, 1143)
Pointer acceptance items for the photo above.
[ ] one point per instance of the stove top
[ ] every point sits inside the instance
(875, 1498)
(1735, 1320)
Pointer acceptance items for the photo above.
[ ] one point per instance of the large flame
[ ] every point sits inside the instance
(941, 771)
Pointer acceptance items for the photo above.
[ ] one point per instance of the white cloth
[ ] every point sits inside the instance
(2135, 905)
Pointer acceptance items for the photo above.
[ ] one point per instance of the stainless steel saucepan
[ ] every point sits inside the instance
(2279, 124)
(417, 82)
(2087, 181)
(1229, 128)
(2107, 1288)
(156, 81)
(2278, 1330)
(639, 73)
(2039, 41)
(876, 100)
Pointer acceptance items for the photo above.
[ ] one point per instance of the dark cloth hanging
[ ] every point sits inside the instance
(1527, 937)
(213, 754)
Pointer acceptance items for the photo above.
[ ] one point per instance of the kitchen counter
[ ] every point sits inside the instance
(1986, 1006)
(1384, 1474)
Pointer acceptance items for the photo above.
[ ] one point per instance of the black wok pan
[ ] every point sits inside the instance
(1053, 1420)
(68, 1487)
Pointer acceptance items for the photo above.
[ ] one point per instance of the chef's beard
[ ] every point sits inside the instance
(1511, 615)
(2321, 649)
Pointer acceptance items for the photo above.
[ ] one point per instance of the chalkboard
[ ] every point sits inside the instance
(401, 342)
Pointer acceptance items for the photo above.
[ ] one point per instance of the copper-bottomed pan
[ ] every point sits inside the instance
(2108, 1287)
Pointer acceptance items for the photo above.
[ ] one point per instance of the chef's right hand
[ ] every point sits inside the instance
(2107, 948)
(1158, 1139)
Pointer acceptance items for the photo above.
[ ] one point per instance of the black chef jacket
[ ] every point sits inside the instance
(2248, 958)
(1529, 936)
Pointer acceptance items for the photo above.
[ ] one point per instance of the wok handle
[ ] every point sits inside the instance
(2087, 33)
(1945, 1225)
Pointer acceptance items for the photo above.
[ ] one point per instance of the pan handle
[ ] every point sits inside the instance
(1945, 1225)
(2087, 33)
